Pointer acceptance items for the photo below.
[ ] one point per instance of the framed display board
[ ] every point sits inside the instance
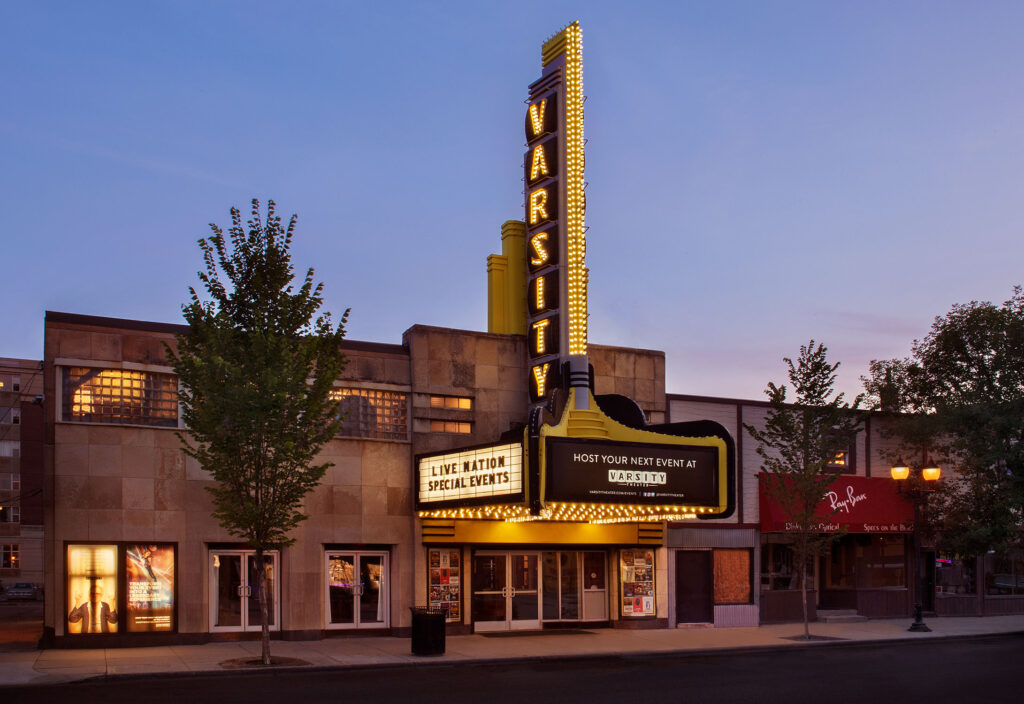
(636, 582)
(444, 581)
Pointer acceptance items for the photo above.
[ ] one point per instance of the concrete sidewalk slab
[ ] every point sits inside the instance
(56, 666)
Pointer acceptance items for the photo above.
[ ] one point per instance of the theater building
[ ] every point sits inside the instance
(519, 478)
(128, 520)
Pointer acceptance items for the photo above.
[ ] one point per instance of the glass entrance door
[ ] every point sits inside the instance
(357, 589)
(234, 601)
(574, 586)
(506, 594)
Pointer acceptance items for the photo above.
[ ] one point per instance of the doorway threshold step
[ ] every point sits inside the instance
(540, 632)
(840, 616)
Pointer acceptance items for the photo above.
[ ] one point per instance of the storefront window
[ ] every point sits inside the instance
(1004, 573)
(955, 576)
(777, 567)
(885, 563)
(732, 577)
(636, 575)
(868, 562)
(445, 585)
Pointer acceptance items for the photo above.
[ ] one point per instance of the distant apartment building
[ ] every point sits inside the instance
(21, 500)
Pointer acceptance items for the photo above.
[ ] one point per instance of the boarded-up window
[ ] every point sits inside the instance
(732, 577)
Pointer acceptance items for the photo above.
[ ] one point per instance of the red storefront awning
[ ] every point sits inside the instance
(859, 504)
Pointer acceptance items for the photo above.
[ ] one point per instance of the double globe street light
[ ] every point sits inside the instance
(918, 491)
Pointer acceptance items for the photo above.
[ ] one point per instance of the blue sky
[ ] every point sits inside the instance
(760, 173)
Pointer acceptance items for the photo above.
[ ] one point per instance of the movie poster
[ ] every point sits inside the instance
(636, 578)
(92, 589)
(445, 582)
(149, 576)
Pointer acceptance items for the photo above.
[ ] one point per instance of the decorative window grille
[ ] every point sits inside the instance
(119, 396)
(373, 413)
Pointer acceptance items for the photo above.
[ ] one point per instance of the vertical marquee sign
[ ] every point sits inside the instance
(555, 204)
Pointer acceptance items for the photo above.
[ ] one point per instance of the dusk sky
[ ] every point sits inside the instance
(760, 173)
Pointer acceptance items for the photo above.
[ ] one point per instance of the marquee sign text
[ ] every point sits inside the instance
(598, 471)
(466, 475)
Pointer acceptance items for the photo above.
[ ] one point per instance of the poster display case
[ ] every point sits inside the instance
(445, 582)
(120, 588)
(636, 581)
(149, 581)
(92, 589)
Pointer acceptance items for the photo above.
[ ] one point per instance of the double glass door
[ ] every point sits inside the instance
(234, 599)
(506, 594)
(357, 589)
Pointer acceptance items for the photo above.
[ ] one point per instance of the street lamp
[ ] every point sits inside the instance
(918, 493)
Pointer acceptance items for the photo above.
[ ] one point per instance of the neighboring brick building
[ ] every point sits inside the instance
(21, 515)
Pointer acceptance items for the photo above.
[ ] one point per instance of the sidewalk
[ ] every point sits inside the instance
(55, 666)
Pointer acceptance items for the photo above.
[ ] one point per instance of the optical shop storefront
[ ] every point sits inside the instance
(571, 533)
(866, 569)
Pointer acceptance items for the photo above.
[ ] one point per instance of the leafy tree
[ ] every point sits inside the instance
(960, 395)
(797, 443)
(256, 371)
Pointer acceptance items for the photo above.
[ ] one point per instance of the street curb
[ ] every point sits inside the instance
(432, 663)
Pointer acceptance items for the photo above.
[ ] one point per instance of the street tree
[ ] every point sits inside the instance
(960, 396)
(256, 366)
(797, 443)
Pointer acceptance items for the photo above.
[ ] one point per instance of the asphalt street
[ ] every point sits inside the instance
(977, 670)
(21, 625)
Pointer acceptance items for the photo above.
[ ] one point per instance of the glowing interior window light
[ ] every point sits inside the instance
(538, 206)
(537, 116)
(540, 335)
(540, 252)
(538, 290)
(540, 376)
(538, 163)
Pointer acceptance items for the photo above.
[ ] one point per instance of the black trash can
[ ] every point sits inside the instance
(428, 630)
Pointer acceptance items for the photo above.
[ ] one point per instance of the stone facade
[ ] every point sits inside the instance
(126, 484)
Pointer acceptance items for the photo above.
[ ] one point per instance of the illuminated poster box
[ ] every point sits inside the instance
(120, 587)
(149, 576)
(92, 589)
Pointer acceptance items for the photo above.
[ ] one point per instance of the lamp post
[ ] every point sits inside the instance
(918, 492)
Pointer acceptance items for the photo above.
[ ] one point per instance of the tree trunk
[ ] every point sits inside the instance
(803, 594)
(261, 589)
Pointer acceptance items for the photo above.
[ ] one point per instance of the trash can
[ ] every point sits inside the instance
(428, 630)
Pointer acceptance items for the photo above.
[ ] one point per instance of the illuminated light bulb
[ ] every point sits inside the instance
(540, 338)
(538, 206)
(537, 116)
(538, 163)
(540, 373)
(540, 256)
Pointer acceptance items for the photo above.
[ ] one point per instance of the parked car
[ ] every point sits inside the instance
(22, 590)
